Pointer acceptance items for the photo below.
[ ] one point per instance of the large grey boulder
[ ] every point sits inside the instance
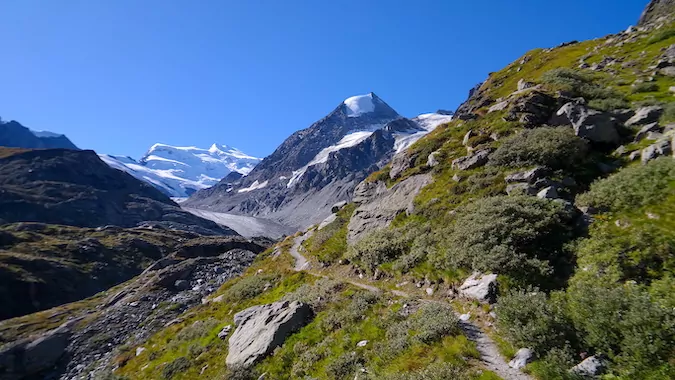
(400, 163)
(261, 329)
(32, 356)
(590, 124)
(523, 357)
(591, 367)
(548, 193)
(432, 160)
(473, 161)
(380, 205)
(642, 133)
(660, 148)
(480, 287)
(645, 115)
(528, 176)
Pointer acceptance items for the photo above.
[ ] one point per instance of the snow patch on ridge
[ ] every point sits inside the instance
(254, 186)
(349, 140)
(428, 122)
(358, 105)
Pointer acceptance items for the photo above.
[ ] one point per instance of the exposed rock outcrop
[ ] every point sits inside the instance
(379, 205)
(596, 126)
(480, 287)
(523, 357)
(261, 329)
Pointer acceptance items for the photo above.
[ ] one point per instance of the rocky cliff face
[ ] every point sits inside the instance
(76, 188)
(15, 135)
(656, 9)
(319, 166)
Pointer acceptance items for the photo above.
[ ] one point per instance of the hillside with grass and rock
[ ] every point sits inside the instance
(529, 236)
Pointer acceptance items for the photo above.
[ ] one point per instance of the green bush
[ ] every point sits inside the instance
(579, 84)
(241, 373)
(176, 367)
(249, 286)
(423, 247)
(317, 295)
(608, 104)
(433, 322)
(197, 330)
(556, 148)
(528, 318)
(344, 365)
(435, 371)
(625, 323)
(662, 35)
(632, 187)
(521, 236)
(644, 87)
(668, 113)
(382, 246)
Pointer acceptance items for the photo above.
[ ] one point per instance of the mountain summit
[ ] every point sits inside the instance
(318, 166)
(15, 135)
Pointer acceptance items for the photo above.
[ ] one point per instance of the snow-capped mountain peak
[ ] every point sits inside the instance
(360, 104)
(180, 171)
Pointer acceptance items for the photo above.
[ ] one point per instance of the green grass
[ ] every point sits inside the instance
(329, 244)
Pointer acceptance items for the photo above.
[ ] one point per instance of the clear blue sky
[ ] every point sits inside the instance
(117, 76)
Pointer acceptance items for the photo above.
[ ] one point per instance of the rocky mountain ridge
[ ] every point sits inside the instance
(15, 135)
(319, 166)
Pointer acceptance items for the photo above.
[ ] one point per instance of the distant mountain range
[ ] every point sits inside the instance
(15, 135)
(181, 171)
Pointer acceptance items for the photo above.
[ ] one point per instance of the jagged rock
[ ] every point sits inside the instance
(523, 357)
(634, 155)
(225, 332)
(548, 193)
(588, 123)
(432, 160)
(400, 163)
(533, 109)
(473, 161)
(622, 115)
(467, 137)
(481, 287)
(642, 133)
(362, 343)
(524, 85)
(29, 357)
(498, 106)
(381, 206)
(529, 176)
(520, 189)
(645, 115)
(181, 285)
(668, 71)
(660, 148)
(591, 367)
(338, 206)
(261, 329)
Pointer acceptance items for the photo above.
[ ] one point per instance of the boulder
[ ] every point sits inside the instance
(590, 124)
(473, 161)
(480, 287)
(523, 357)
(532, 109)
(642, 133)
(528, 176)
(520, 189)
(432, 160)
(467, 137)
(591, 367)
(400, 163)
(30, 357)
(329, 219)
(498, 106)
(645, 115)
(261, 329)
(225, 332)
(548, 193)
(338, 206)
(660, 148)
(524, 85)
(668, 71)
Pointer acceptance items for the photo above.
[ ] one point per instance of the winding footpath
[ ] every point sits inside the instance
(489, 353)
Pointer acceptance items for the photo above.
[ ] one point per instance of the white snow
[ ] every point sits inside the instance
(349, 140)
(254, 186)
(358, 105)
(427, 121)
(179, 171)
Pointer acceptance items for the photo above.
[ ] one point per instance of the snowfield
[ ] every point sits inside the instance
(180, 171)
(358, 105)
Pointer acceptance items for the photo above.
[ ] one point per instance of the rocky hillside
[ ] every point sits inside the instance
(531, 237)
(319, 166)
(76, 188)
(15, 135)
